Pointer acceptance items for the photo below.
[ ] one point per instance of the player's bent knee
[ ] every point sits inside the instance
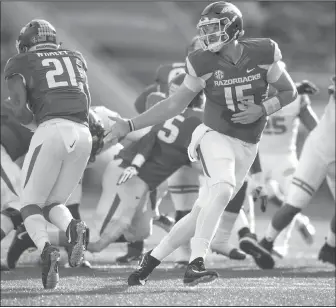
(14, 215)
(237, 201)
(46, 210)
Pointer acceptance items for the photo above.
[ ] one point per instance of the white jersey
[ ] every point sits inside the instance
(280, 134)
(324, 133)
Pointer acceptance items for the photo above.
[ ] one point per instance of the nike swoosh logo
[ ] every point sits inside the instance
(72, 144)
(20, 235)
(249, 71)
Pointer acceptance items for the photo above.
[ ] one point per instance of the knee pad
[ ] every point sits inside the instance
(237, 201)
(14, 215)
(222, 190)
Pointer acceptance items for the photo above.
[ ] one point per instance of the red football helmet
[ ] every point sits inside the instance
(37, 34)
(220, 23)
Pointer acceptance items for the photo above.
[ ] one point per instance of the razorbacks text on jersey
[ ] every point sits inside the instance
(280, 134)
(54, 81)
(166, 149)
(228, 85)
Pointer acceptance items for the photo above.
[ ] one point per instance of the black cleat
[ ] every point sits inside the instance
(49, 260)
(134, 252)
(147, 265)
(261, 252)
(165, 222)
(236, 254)
(77, 234)
(327, 254)
(196, 273)
(21, 242)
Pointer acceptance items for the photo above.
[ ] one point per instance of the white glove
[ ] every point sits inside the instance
(258, 190)
(128, 173)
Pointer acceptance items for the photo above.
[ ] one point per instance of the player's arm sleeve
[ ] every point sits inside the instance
(278, 77)
(140, 102)
(307, 115)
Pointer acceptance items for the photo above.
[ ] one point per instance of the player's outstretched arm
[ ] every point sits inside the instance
(164, 110)
(307, 115)
(278, 77)
(18, 99)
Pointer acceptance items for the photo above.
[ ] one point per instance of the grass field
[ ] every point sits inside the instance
(298, 280)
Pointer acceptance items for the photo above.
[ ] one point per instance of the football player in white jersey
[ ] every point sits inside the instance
(316, 163)
(278, 155)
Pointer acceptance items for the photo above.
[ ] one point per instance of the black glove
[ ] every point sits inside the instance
(306, 87)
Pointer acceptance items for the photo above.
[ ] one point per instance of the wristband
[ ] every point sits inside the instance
(131, 125)
(135, 167)
(271, 105)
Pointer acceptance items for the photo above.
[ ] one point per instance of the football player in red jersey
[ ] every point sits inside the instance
(234, 74)
(49, 90)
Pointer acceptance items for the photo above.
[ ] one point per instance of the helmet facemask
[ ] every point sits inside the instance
(213, 33)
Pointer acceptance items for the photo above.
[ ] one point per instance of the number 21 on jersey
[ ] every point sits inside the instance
(60, 65)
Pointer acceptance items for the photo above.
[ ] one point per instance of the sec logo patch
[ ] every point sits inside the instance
(219, 74)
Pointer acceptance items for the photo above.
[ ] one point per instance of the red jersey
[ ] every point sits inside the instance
(165, 147)
(55, 83)
(230, 84)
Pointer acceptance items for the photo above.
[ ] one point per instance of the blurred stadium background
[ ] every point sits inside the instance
(124, 42)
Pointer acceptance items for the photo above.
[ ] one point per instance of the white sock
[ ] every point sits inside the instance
(36, 227)
(53, 234)
(225, 227)
(180, 234)
(331, 239)
(208, 219)
(6, 224)
(271, 233)
(199, 248)
(60, 216)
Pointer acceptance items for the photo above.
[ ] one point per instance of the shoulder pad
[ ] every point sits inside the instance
(200, 63)
(14, 66)
(81, 57)
(265, 50)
